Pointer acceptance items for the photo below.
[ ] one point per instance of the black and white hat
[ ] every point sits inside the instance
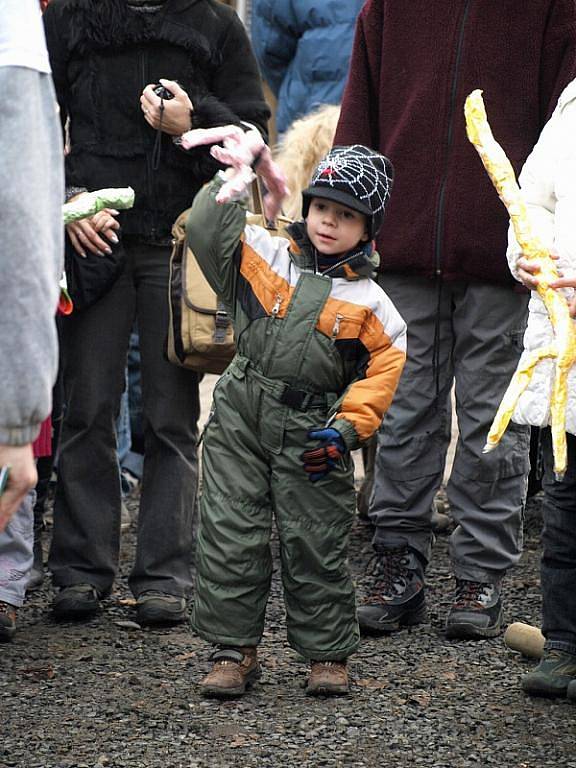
(357, 177)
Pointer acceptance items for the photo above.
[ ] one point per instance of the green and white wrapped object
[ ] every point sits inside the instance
(90, 203)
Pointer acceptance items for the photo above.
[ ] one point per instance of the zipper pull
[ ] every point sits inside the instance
(276, 307)
(336, 328)
(274, 313)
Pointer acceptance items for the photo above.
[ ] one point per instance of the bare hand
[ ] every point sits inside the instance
(95, 233)
(23, 477)
(527, 272)
(175, 118)
(566, 282)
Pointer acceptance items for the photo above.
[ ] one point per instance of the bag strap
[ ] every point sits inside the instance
(258, 205)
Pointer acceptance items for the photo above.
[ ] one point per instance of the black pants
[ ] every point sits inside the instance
(558, 569)
(94, 342)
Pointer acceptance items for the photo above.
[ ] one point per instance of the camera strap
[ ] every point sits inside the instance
(157, 151)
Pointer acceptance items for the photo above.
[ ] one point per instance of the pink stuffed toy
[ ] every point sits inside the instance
(246, 154)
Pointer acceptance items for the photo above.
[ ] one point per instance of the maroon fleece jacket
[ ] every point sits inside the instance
(413, 64)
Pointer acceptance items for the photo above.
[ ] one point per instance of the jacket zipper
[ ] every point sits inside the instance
(449, 136)
(149, 181)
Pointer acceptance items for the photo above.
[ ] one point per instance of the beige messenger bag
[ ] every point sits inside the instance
(200, 334)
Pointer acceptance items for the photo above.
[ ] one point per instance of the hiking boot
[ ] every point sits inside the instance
(154, 607)
(571, 691)
(397, 598)
(476, 612)
(553, 676)
(7, 622)
(78, 601)
(328, 678)
(234, 671)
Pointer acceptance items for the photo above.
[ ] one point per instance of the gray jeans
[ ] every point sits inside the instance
(16, 556)
(470, 334)
(86, 537)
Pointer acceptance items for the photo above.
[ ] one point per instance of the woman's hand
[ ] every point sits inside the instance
(174, 119)
(95, 233)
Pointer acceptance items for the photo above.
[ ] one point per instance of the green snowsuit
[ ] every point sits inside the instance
(306, 343)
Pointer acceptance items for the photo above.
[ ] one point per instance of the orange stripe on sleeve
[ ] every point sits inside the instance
(367, 400)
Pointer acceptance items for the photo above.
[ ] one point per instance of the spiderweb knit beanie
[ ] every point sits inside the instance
(357, 177)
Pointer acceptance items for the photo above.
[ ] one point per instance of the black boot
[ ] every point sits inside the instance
(397, 599)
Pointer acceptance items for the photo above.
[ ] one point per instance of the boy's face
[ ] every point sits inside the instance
(333, 228)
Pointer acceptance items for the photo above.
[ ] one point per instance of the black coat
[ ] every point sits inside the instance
(103, 54)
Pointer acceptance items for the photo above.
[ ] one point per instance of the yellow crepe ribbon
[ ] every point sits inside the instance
(563, 348)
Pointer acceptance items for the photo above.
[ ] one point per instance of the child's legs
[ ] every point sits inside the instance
(314, 522)
(558, 568)
(233, 559)
(16, 556)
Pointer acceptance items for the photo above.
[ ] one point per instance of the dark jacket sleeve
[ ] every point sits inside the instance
(558, 65)
(56, 37)
(359, 121)
(275, 40)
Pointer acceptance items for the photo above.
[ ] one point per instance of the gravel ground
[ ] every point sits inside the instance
(107, 693)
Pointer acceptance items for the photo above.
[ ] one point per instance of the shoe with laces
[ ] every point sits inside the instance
(234, 671)
(159, 608)
(328, 678)
(476, 612)
(397, 598)
(554, 677)
(7, 622)
(78, 601)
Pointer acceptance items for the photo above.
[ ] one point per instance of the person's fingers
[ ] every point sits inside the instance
(533, 267)
(528, 279)
(572, 307)
(75, 242)
(89, 238)
(174, 87)
(564, 282)
(14, 494)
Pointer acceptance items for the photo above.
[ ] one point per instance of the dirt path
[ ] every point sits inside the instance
(107, 693)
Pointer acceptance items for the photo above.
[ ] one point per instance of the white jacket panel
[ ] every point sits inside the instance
(548, 182)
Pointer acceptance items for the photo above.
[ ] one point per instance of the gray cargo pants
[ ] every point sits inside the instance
(16, 555)
(470, 334)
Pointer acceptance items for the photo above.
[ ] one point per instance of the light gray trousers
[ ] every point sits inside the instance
(16, 555)
(469, 334)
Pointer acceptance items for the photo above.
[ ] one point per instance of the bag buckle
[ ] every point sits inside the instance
(296, 398)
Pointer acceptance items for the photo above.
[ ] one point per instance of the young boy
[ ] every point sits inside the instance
(320, 349)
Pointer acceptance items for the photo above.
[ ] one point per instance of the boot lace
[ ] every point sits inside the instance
(390, 569)
(471, 594)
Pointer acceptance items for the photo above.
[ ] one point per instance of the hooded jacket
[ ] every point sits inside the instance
(336, 332)
(412, 66)
(303, 47)
(103, 54)
(548, 182)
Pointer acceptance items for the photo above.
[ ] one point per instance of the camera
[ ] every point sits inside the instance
(163, 93)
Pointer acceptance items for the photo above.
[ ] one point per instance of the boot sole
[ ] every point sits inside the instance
(328, 690)
(540, 688)
(213, 692)
(160, 618)
(465, 631)
(408, 619)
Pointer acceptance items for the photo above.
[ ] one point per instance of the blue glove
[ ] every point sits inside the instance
(321, 460)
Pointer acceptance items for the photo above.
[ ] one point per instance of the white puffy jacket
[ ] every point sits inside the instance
(548, 182)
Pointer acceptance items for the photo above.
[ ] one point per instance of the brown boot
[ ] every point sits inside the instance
(234, 670)
(328, 678)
